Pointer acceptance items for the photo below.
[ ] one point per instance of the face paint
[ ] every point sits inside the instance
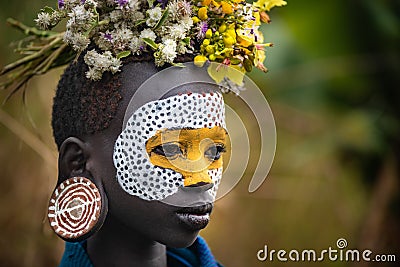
(191, 152)
(171, 143)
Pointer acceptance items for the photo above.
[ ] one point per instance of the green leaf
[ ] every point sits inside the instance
(150, 2)
(180, 65)
(248, 65)
(162, 19)
(186, 40)
(48, 10)
(139, 22)
(123, 54)
(235, 61)
(150, 43)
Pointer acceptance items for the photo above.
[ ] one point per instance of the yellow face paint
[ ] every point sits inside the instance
(191, 152)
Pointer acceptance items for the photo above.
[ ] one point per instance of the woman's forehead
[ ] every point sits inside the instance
(164, 84)
(190, 110)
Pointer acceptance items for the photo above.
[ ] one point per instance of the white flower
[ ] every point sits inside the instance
(91, 3)
(80, 15)
(168, 51)
(115, 15)
(69, 4)
(80, 42)
(43, 20)
(67, 38)
(135, 45)
(94, 74)
(115, 65)
(71, 25)
(123, 35)
(121, 38)
(187, 22)
(90, 57)
(148, 33)
(154, 16)
(177, 32)
(134, 4)
(182, 49)
(136, 15)
(99, 63)
(179, 9)
(104, 41)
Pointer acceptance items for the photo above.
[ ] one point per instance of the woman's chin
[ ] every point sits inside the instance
(180, 240)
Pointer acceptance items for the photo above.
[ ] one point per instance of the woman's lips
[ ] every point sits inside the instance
(196, 218)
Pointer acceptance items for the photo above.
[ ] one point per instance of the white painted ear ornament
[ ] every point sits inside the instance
(77, 209)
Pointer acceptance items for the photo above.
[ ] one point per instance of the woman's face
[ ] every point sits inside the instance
(161, 170)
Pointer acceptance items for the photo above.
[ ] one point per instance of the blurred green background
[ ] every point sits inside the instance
(333, 87)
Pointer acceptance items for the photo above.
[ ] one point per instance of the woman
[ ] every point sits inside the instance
(139, 160)
(87, 122)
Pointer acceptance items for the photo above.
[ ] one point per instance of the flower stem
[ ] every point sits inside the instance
(29, 30)
(52, 44)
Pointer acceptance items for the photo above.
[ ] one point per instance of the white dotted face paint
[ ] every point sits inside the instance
(136, 173)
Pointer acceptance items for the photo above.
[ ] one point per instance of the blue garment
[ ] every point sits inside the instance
(197, 255)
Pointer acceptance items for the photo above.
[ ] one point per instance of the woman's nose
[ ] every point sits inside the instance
(192, 179)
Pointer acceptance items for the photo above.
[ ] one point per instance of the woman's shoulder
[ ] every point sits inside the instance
(197, 255)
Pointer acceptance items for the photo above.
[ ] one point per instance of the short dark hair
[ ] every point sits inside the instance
(82, 106)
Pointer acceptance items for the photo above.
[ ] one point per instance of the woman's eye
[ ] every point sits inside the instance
(215, 152)
(167, 150)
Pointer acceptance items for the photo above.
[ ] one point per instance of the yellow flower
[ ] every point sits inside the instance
(209, 33)
(222, 28)
(257, 17)
(244, 40)
(229, 40)
(199, 60)
(206, 2)
(229, 37)
(203, 13)
(210, 49)
(259, 59)
(215, 3)
(226, 8)
(195, 19)
(206, 42)
(231, 32)
(268, 4)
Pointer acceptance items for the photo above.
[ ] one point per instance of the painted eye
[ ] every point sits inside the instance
(214, 152)
(167, 150)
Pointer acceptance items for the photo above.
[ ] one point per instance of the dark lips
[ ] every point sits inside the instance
(196, 218)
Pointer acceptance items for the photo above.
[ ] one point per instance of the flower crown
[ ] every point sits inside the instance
(222, 31)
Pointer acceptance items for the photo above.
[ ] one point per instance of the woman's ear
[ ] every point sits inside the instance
(78, 206)
(72, 159)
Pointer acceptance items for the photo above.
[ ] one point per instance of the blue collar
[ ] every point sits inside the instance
(197, 255)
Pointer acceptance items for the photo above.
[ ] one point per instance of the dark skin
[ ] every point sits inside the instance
(135, 231)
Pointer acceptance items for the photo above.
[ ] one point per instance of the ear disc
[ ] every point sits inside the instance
(76, 209)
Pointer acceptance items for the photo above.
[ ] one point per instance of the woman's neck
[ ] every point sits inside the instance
(117, 245)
